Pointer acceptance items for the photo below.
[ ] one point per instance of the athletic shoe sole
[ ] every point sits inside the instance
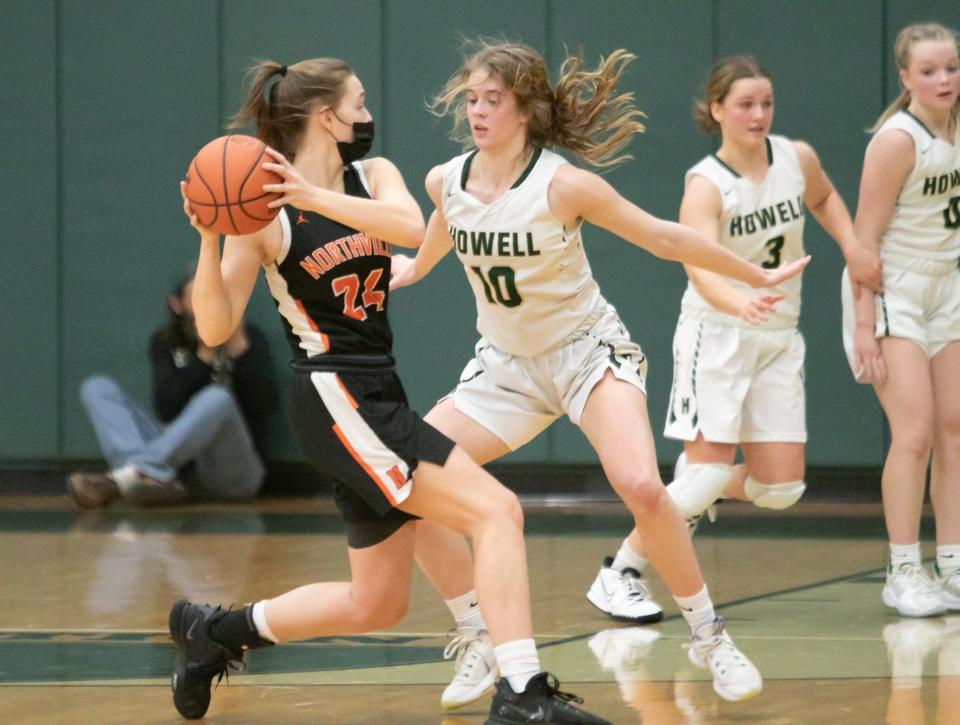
(645, 619)
(889, 598)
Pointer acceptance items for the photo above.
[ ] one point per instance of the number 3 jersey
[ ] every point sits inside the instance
(760, 222)
(529, 273)
(330, 282)
(926, 219)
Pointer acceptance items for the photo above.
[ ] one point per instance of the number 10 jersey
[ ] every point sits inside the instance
(760, 222)
(530, 275)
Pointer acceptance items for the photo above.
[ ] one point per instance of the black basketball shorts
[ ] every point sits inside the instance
(356, 427)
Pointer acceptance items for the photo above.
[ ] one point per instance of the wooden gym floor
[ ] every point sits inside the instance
(84, 599)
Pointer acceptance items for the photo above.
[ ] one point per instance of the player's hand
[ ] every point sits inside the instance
(869, 357)
(294, 189)
(205, 232)
(865, 269)
(773, 277)
(755, 309)
(402, 273)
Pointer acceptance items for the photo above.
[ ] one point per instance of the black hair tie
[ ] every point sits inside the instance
(283, 70)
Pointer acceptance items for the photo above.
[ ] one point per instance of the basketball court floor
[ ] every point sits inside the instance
(84, 599)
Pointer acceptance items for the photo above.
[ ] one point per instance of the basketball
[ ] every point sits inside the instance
(225, 185)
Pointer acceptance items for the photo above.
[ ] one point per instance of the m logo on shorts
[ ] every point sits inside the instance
(397, 477)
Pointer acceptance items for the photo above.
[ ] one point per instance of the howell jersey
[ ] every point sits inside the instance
(529, 274)
(330, 282)
(926, 219)
(762, 223)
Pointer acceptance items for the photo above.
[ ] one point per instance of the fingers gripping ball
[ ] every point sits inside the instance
(225, 185)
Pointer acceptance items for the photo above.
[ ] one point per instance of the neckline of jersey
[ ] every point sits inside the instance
(465, 173)
(737, 175)
(956, 125)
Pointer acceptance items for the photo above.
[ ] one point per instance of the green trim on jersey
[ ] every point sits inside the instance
(465, 172)
(919, 122)
(730, 168)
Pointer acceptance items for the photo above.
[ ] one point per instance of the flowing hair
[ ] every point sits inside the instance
(585, 113)
(902, 48)
(280, 112)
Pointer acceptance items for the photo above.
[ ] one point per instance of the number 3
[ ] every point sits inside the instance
(774, 245)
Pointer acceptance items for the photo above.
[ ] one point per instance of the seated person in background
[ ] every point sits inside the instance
(212, 405)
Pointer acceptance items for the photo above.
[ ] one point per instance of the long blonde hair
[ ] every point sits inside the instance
(902, 48)
(584, 113)
(724, 74)
(280, 112)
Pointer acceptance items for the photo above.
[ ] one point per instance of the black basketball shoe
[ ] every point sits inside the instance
(540, 703)
(199, 658)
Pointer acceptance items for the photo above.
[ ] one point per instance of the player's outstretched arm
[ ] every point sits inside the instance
(576, 193)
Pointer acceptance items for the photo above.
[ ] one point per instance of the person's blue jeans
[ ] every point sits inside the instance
(210, 432)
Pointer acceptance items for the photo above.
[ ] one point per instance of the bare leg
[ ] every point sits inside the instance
(907, 400)
(615, 422)
(945, 471)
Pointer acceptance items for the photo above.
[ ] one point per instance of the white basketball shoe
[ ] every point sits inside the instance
(911, 591)
(475, 668)
(949, 587)
(622, 595)
(735, 677)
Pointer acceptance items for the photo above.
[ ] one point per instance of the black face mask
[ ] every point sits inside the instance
(355, 150)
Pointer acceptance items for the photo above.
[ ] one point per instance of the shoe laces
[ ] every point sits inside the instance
(553, 687)
(717, 648)
(916, 576)
(463, 647)
(633, 585)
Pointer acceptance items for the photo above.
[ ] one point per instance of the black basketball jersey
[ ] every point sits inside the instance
(330, 282)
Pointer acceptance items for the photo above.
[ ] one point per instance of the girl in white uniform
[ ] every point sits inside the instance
(551, 345)
(738, 356)
(906, 342)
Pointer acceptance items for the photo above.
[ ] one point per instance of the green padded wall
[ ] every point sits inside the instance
(109, 100)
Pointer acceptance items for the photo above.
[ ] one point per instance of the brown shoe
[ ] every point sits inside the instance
(92, 490)
(149, 492)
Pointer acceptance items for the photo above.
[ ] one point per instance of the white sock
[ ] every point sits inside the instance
(260, 621)
(948, 558)
(697, 609)
(125, 477)
(627, 557)
(904, 554)
(518, 662)
(466, 611)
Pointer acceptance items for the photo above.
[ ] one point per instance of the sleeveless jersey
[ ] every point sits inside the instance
(762, 223)
(926, 219)
(529, 273)
(330, 282)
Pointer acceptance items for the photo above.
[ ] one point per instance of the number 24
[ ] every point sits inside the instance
(349, 286)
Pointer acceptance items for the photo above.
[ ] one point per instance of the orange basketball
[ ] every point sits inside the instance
(225, 185)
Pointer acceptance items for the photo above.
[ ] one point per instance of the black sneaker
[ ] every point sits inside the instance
(540, 703)
(199, 658)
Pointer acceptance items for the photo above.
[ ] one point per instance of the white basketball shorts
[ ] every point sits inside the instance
(516, 398)
(736, 385)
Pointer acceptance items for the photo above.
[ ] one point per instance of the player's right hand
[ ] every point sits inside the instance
(401, 271)
(205, 232)
(755, 309)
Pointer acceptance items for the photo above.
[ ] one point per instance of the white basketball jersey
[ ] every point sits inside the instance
(529, 274)
(762, 223)
(926, 218)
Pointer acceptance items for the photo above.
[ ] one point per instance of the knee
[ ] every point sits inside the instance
(915, 441)
(499, 509)
(644, 494)
(776, 496)
(97, 387)
(215, 398)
